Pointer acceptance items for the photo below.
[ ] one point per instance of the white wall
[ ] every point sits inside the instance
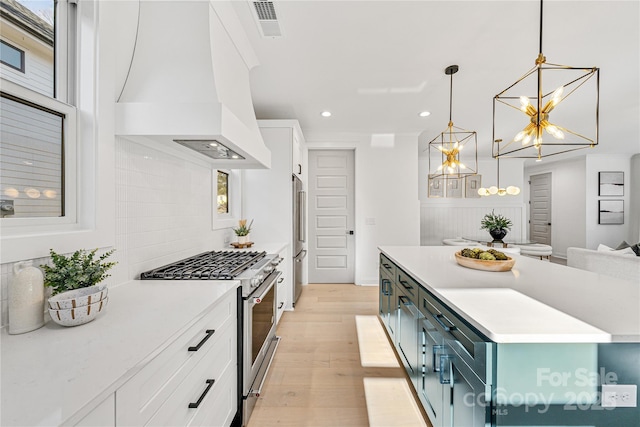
(610, 235)
(568, 198)
(634, 205)
(387, 208)
(574, 199)
(445, 218)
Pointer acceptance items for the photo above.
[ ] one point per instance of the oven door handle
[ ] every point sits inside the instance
(258, 299)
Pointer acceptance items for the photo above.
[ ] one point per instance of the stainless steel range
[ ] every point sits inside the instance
(257, 340)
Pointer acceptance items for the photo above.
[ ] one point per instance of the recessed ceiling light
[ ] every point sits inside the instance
(424, 114)
(326, 114)
(213, 144)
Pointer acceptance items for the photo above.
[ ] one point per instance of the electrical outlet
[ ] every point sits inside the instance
(227, 238)
(619, 395)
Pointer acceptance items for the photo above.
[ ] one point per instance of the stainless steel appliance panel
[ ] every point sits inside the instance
(299, 234)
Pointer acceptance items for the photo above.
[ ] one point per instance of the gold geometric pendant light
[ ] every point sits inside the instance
(544, 114)
(448, 152)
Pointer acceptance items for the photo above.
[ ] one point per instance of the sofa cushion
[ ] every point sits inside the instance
(625, 252)
(608, 263)
(635, 248)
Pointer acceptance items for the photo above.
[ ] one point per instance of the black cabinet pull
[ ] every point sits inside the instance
(204, 393)
(387, 266)
(280, 280)
(204, 340)
(438, 318)
(299, 169)
(405, 284)
(281, 305)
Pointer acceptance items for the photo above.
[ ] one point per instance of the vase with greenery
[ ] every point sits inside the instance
(242, 231)
(497, 225)
(80, 270)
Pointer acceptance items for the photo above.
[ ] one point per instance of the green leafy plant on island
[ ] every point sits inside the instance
(242, 229)
(493, 221)
(80, 270)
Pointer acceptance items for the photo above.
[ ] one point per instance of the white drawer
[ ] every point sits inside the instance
(140, 398)
(219, 361)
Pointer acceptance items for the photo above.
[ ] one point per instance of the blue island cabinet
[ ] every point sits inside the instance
(464, 379)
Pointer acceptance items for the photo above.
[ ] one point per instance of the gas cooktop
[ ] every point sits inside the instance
(214, 265)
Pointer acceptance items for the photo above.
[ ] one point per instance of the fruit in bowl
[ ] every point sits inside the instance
(486, 255)
(486, 260)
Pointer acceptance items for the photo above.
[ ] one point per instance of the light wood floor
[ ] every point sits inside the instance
(320, 377)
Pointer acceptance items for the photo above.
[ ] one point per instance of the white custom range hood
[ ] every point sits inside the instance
(188, 84)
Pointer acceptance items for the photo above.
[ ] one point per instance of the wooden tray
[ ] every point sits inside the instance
(479, 264)
(238, 245)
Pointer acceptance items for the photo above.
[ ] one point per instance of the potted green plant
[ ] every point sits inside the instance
(242, 231)
(497, 225)
(80, 270)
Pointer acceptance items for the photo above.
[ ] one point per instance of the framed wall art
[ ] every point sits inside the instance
(610, 211)
(436, 187)
(454, 187)
(472, 184)
(611, 183)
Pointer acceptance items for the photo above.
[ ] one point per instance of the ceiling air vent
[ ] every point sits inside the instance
(267, 19)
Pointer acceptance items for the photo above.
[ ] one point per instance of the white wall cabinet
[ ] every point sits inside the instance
(268, 196)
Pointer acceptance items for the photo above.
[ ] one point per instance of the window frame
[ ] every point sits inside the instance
(15, 226)
(22, 56)
(234, 199)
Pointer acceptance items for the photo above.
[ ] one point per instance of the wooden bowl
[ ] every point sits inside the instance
(483, 265)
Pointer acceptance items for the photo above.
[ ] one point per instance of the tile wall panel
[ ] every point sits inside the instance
(163, 214)
(446, 222)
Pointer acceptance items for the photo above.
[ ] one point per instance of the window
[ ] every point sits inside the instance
(227, 206)
(11, 56)
(223, 193)
(31, 158)
(37, 124)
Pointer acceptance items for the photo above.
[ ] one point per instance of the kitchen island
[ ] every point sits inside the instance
(530, 346)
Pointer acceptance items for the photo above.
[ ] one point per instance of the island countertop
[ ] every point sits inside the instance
(535, 302)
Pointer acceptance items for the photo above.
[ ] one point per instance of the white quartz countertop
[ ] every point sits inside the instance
(52, 373)
(535, 302)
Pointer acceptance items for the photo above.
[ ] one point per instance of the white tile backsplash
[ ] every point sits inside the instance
(163, 213)
(164, 207)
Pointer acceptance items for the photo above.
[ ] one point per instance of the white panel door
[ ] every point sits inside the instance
(540, 209)
(331, 211)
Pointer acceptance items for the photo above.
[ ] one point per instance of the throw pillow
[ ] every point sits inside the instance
(625, 252)
(623, 245)
(635, 248)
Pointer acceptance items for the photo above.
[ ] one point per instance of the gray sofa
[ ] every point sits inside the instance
(614, 265)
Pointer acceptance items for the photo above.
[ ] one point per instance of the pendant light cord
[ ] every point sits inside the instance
(540, 27)
(450, 97)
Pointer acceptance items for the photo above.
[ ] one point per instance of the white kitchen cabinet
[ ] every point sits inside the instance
(197, 369)
(268, 196)
(296, 155)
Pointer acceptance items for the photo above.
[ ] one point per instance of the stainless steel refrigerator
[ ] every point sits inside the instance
(299, 234)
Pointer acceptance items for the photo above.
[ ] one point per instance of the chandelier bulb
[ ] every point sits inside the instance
(502, 192)
(493, 190)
